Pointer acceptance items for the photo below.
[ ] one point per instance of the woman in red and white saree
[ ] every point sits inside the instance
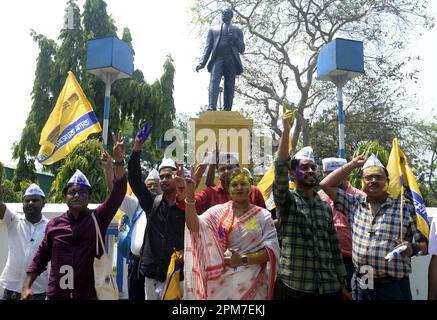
(232, 250)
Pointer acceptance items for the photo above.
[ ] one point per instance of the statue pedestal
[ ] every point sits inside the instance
(229, 129)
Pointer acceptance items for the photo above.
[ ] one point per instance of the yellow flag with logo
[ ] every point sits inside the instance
(71, 122)
(403, 182)
(172, 289)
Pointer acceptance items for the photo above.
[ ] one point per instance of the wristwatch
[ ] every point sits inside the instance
(244, 260)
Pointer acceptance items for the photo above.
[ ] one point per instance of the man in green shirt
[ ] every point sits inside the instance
(311, 265)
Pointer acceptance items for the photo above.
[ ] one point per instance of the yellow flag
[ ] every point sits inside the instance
(402, 181)
(266, 187)
(172, 289)
(71, 122)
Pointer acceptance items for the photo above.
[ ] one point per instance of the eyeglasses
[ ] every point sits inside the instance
(80, 192)
(377, 177)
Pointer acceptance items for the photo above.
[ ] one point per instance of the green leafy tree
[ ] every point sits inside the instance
(42, 96)
(133, 101)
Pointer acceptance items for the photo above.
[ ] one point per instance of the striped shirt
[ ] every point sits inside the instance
(311, 259)
(375, 235)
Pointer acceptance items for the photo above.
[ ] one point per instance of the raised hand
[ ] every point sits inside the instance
(118, 150)
(106, 159)
(359, 161)
(141, 137)
(180, 169)
(190, 189)
(288, 117)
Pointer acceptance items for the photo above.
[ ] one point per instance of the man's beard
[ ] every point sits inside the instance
(304, 183)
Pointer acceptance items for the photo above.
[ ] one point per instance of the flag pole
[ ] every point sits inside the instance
(402, 212)
(342, 152)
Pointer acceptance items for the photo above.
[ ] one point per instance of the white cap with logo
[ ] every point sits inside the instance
(34, 190)
(306, 153)
(330, 164)
(79, 178)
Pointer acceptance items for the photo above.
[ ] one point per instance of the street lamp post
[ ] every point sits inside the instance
(339, 61)
(110, 59)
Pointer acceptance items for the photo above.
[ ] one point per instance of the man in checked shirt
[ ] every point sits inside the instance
(311, 264)
(376, 227)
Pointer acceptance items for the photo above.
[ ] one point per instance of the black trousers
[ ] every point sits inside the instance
(222, 67)
(135, 281)
(282, 292)
(12, 295)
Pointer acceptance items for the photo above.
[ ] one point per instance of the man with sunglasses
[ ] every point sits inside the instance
(311, 264)
(376, 231)
(165, 219)
(70, 239)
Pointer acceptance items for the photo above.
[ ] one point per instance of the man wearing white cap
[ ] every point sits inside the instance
(341, 222)
(165, 220)
(376, 227)
(25, 233)
(70, 239)
(152, 182)
(311, 264)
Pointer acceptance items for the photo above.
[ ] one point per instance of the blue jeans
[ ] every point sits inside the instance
(396, 289)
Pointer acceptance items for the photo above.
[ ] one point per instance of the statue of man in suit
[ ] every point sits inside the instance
(223, 45)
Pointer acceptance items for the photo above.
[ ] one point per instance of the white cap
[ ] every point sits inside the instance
(373, 161)
(306, 153)
(330, 164)
(79, 178)
(34, 190)
(153, 175)
(167, 163)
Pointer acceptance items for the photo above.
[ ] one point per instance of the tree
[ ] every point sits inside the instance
(421, 151)
(7, 193)
(283, 39)
(42, 95)
(133, 101)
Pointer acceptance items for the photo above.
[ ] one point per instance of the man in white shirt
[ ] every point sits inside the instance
(25, 233)
(135, 219)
